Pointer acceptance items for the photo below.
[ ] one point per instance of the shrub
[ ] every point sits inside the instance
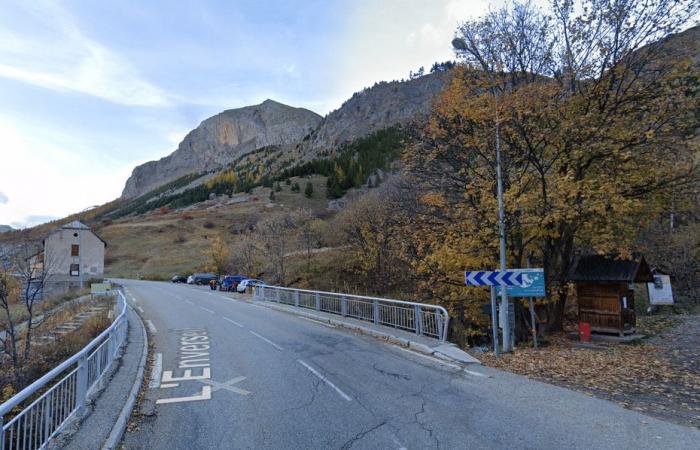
(208, 224)
(309, 190)
(295, 187)
(288, 181)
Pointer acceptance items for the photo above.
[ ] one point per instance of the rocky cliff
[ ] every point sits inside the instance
(221, 139)
(375, 108)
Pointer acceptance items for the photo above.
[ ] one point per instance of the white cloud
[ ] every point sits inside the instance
(60, 57)
(44, 180)
(3, 198)
(393, 37)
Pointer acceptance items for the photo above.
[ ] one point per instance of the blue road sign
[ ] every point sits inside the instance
(531, 285)
(493, 278)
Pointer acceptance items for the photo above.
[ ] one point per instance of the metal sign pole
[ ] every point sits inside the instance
(494, 322)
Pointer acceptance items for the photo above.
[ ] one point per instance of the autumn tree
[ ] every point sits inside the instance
(369, 227)
(595, 111)
(276, 234)
(26, 273)
(219, 256)
(245, 255)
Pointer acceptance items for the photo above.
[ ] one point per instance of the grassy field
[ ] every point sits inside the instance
(163, 243)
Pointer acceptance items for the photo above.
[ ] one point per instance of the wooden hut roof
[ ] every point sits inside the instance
(610, 268)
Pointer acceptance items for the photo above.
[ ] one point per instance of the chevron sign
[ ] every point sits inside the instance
(495, 278)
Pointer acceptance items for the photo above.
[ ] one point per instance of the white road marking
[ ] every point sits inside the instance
(227, 385)
(319, 322)
(325, 380)
(151, 327)
(232, 321)
(169, 385)
(435, 360)
(140, 309)
(207, 310)
(476, 374)
(205, 395)
(225, 298)
(156, 371)
(189, 302)
(266, 340)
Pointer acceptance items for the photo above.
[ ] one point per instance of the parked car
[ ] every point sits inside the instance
(190, 279)
(243, 285)
(203, 278)
(179, 279)
(231, 282)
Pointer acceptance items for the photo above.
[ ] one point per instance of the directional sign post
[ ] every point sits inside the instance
(518, 283)
(531, 283)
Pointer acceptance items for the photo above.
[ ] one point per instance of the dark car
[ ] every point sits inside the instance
(230, 282)
(203, 278)
(179, 279)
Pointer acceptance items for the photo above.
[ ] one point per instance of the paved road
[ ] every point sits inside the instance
(277, 381)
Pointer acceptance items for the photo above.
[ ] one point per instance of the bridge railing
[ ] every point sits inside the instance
(421, 318)
(52, 404)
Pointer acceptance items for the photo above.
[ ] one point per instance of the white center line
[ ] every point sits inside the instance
(140, 309)
(207, 310)
(156, 371)
(189, 302)
(232, 321)
(325, 380)
(266, 340)
(151, 327)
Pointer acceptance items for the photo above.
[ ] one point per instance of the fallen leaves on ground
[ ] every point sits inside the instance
(659, 376)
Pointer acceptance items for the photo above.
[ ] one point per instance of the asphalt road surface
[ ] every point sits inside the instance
(233, 374)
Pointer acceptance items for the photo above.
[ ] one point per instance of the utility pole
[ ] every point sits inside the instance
(460, 44)
(502, 240)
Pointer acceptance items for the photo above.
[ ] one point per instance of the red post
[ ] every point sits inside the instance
(584, 331)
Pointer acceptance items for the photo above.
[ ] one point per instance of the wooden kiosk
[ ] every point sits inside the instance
(604, 288)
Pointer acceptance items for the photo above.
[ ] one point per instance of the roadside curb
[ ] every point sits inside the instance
(117, 432)
(445, 351)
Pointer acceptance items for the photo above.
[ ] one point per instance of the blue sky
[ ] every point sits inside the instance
(90, 89)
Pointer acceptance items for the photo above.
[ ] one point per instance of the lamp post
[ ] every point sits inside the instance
(460, 44)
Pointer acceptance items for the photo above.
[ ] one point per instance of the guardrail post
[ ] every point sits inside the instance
(440, 329)
(2, 433)
(277, 295)
(296, 298)
(81, 382)
(318, 301)
(418, 319)
(375, 310)
(343, 306)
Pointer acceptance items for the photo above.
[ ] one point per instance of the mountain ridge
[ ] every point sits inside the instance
(225, 137)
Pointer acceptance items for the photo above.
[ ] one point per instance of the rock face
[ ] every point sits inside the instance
(220, 139)
(5, 228)
(375, 108)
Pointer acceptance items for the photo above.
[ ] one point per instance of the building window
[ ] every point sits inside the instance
(75, 250)
(74, 270)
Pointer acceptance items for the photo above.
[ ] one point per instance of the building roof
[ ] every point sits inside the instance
(78, 225)
(610, 268)
(75, 225)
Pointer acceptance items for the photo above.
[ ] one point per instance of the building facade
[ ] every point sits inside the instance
(73, 252)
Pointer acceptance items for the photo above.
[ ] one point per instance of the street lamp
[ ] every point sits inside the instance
(460, 44)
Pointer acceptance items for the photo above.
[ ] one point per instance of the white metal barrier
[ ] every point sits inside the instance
(420, 318)
(51, 405)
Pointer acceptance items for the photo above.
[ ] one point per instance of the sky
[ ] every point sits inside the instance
(88, 90)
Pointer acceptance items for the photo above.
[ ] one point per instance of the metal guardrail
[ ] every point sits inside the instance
(54, 405)
(421, 318)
